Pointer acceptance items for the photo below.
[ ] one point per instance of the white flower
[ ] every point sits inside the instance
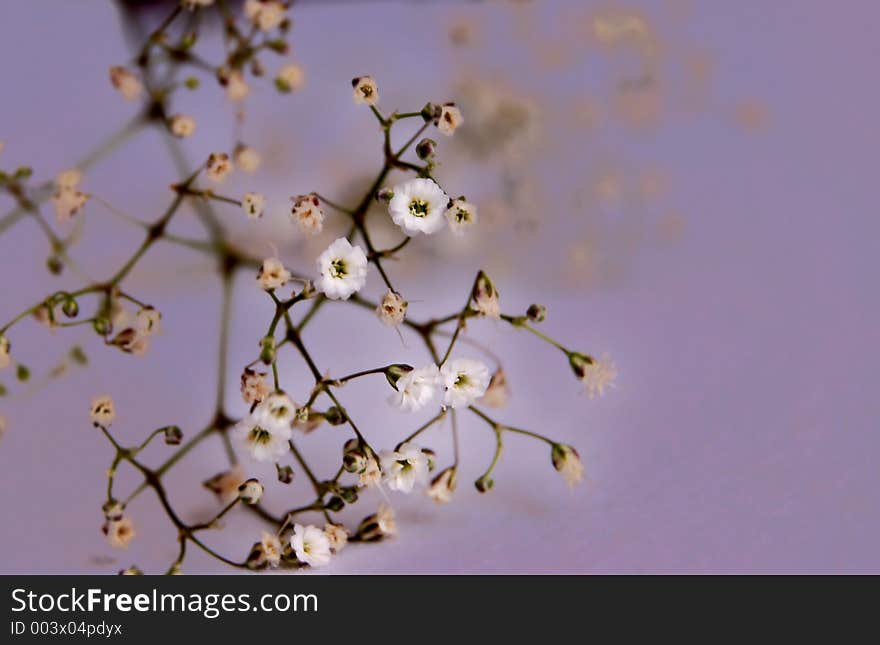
(404, 468)
(371, 475)
(385, 519)
(597, 375)
(147, 320)
(236, 87)
(442, 486)
(5, 358)
(251, 491)
(461, 216)
(466, 381)
(246, 158)
(418, 206)
(365, 90)
(68, 179)
(266, 431)
(272, 275)
(337, 536)
(68, 200)
(392, 309)
(450, 118)
(417, 388)
(290, 77)
(126, 83)
(254, 387)
(266, 15)
(567, 461)
(225, 485)
(311, 545)
(253, 205)
(102, 410)
(182, 126)
(271, 547)
(498, 392)
(307, 214)
(218, 166)
(343, 269)
(119, 533)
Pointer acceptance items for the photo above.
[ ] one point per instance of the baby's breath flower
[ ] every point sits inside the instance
(442, 486)
(271, 546)
(254, 387)
(371, 474)
(466, 381)
(307, 214)
(127, 84)
(497, 393)
(365, 90)
(290, 78)
(567, 461)
(147, 321)
(266, 431)
(218, 166)
(484, 298)
(250, 491)
(597, 375)
(461, 216)
(343, 269)
(404, 468)
(311, 545)
(272, 275)
(225, 484)
(418, 206)
(378, 526)
(113, 510)
(417, 388)
(119, 532)
(266, 15)
(68, 179)
(236, 87)
(102, 410)
(337, 536)
(5, 357)
(182, 126)
(392, 309)
(68, 200)
(450, 118)
(253, 205)
(385, 519)
(246, 158)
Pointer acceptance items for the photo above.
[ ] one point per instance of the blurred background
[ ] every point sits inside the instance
(688, 186)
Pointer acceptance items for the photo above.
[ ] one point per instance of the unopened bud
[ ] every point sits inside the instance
(267, 350)
(426, 148)
(55, 265)
(579, 363)
(102, 326)
(385, 195)
(394, 373)
(335, 504)
(113, 510)
(349, 494)
(250, 492)
(173, 435)
(484, 484)
(70, 308)
(285, 474)
(537, 313)
(431, 111)
(335, 416)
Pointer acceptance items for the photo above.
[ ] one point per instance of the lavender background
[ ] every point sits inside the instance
(740, 305)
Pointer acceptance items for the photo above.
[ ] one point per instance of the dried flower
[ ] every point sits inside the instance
(365, 90)
(290, 78)
(250, 492)
(271, 547)
(311, 545)
(597, 375)
(68, 200)
(343, 269)
(266, 15)
(385, 519)
(218, 166)
(246, 158)
(307, 214)
(253, 205)
(119, 532)
(102, 410)
(484, 299)
(461, 216)
(337, 536)
(498, 392)
(417, 388)
(254, 387)
(442, 486)
(466, 381)
(567, 461)
(272, 275)
(418, 206)
(5, 358)
(392, 309)
(182, 126)
(404, 468)
(127, 84)
(450, 118)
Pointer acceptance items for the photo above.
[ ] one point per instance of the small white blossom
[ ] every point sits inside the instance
(68, 200)
(417, 388)
(343, 269)
(271, 547)
(311, 545)
(266, 15)
(307, 214)
(127, 84)
(102, 410)
(404, 468)
(449, 120)
(485, 297)
(68, 179)
(442, 486)
(251, 491)
(182, 126)
(372, 474)
(466, 381)
(147, 321)
(236, 87)
(365, 90)
(265, 432)
(392, 309)
(246, 158)
(597, 375)
(567, 461)
(253, 205)
(218, 166)
(5, 357)
(290, 78)
(119, 532)
(461, 216)
(254, 387)
(418, 206)
(272, 275)
(386, 521)
(337, 536)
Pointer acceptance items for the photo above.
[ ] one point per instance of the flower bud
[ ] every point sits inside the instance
(426, 148)
(267, 350)
(394, 373)
(173, 435)
(349, 494)
(567, 462)
(102, 326)
(484, 484)
(22, 372)
(431, 456)
(250, 492)
(485, 297)
(334, 504)
(580, 363)
(335, 416)
(285, 474)
(353, 458)
(70, 308)
(131, 571)
(384, 195)
(54, 265)
(442, 486)
(431, 111)
(113, 510)
(256, 558)
(537, 313)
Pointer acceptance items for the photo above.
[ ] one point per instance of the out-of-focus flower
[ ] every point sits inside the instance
(392, 309)
(271, 546)
(337, 536)
(266, 15)
(225, 485)
(498, 392)
(272, 274)
(307, 214)
(236, 87)
(246, 158)
(182, 126)
(102, 410)
(253, 205)
(127, 84)
(119, 532)
(218, 166)
(449, 120)
(290, 78)
(461, 216)
(567, 461)
(442, 486)
(597, 375)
